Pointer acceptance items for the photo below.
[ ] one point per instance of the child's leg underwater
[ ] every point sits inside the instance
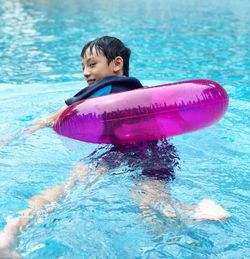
(14, 226)
(153, 194)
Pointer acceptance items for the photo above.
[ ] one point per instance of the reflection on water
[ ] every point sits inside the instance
(42, 40)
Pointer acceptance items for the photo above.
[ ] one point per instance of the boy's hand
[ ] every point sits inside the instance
(39, 124)
(45, 122)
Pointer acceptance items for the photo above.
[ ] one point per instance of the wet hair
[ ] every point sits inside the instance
(110, 47)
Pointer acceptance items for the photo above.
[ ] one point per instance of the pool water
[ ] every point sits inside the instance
(40, 43)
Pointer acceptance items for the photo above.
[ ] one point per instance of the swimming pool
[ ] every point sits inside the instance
(40, 67)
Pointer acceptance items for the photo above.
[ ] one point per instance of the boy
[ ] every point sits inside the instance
(105, 63)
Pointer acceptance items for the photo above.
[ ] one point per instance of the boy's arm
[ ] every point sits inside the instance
(36, 125)
(45, 121)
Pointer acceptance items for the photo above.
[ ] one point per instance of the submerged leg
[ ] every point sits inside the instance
(9, 235)
(152, 194)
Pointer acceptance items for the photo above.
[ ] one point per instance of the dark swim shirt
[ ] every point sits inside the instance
(154, 159)
(107, 85)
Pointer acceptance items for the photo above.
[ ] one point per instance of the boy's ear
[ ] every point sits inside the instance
(118, 64)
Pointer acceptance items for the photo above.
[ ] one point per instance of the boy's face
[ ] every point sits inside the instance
(95, 66)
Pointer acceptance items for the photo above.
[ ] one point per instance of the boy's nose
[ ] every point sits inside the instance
(86, 73)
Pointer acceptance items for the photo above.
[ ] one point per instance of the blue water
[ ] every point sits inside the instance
(40, 43)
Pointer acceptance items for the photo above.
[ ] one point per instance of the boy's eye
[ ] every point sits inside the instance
(92, 65)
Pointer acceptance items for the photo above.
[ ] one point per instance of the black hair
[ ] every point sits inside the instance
(110, 47)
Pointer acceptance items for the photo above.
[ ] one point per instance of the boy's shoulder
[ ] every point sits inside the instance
(107, 85)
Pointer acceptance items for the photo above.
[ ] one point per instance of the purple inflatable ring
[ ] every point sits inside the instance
(145, 114)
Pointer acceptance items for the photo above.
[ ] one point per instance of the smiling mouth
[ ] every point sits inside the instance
(91, 81)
